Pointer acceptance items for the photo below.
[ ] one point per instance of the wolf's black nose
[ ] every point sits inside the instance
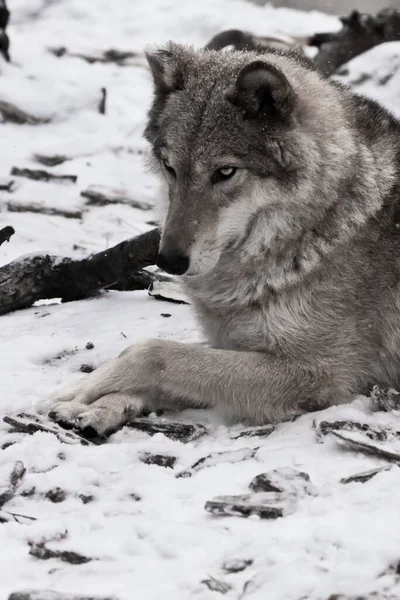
(175, 263)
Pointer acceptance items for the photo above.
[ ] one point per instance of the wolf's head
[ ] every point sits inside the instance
(242, 143)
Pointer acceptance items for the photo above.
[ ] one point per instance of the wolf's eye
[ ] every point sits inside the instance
(168, 167)
(223, 174)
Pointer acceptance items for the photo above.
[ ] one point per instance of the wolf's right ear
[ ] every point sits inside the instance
(260, 89)
(167, 76)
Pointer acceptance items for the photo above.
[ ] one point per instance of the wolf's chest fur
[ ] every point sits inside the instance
(238, 310)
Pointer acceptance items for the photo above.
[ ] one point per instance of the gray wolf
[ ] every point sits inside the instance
(279, 208)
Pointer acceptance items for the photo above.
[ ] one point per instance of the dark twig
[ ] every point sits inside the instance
(378, 434)
(365, 476)
(103, 100)
(243, 40)
(31, 424)
(98, 195)
(7, 185)
(16, 477)
(19, 207)
(216, 458)
(266, 505)
(41, 175)
(161, 460)
(366, 447)
(4, 40)
(13, 114)
(259, 431)
(217, 585)
(121, 58)
(184, 432)
(6, 233)
(39, 550)
(50, 160)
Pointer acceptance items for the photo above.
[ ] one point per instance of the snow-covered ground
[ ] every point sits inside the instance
(147, 531)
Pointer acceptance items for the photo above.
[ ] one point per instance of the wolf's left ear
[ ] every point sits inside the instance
(260, 89)
(167, 75)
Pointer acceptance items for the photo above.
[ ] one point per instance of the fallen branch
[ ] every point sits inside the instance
(365, 476)
(12, 517)
(184, 432)
(378, 434)
(16, 477)
(6, 233)
(217, 585)
(20, 207)
(360, 32)
(216, 458)
(40, 175)
(243, 40)
(31, 424)
(348, 439)
(39, 550)
(32, 278)
(266, 505)
(13, 114)
(121, 58)
(161, 460)
(258, 431)
(7, 185)
(99, 195)
(50, 160)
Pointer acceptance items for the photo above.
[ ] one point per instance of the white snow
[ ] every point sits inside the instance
(340, 540)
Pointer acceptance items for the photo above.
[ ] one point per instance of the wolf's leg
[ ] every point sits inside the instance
(251, 386)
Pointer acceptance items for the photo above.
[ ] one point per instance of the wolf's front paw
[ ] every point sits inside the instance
(102, 417)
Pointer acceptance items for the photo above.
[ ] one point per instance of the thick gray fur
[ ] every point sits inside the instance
(294, 260)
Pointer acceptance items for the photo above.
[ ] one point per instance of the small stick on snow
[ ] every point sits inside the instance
(380, 435)
(365, 476)
(13, 114)
(50, 160)
(161, 460)
(266, 505)
(366, 447)
(103, 100)
(216, 458)
(184, 432)
(100, 195)
(39, 550)
(31, 424)
(41, 175)
(20, 207)
(16, 477)
(217, 585)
